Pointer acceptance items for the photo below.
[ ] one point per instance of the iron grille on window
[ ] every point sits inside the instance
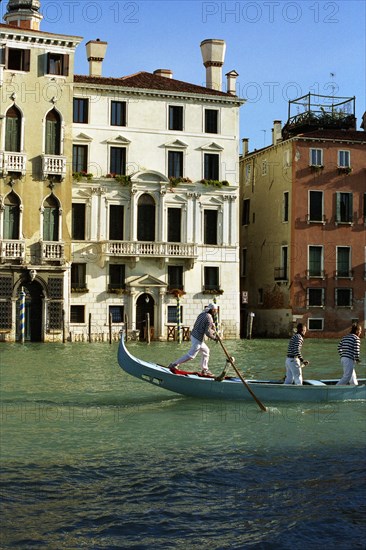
(55, 288)
(5, 315)
(54, 315)
(6, 287)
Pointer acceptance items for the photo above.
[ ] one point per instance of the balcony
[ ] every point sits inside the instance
(52, 251)
(152, 249)
(13, 162)
(315, 274)
(11, 250)
(53, 165)
(280, 274)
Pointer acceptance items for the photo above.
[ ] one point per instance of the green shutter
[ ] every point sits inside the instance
(12, 134)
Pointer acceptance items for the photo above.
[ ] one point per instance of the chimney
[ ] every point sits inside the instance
(276, 132)
(213, 55)
(231, 82)
(24, 14)
(363, 123)
(245, 142)
(167, 73)
(95, 52)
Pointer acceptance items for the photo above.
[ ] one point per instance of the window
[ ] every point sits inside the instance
(174, 225)
(50, 219)
(210, 226)
(117, 276)
(343, 297)
(77, 314)
(78, 277)
(285, 206)
(80, 110)
(172, 316)
(118, 161)
(316, 324)
(118, 113)
(53, 133)
(344, 159)
(17, 59)
(315, 297)
(211, 278)
(146, 218)
(13, 129)
(211, 121)
(248, 171)
(175, 277)
(316, 157)
(315, 261)
(175, 164)
(58, 64)
(175, 117)
(264, 168)
(246, 212)
(343, 261)
(78, 221)
(244, 262)
(315, 206)
(280, 273)
(116, 222)
(344, 207)
(116, 313)
(11, 216)
(79, 158)
(211, 166)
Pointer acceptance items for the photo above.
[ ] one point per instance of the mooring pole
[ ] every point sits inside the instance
(22, 315)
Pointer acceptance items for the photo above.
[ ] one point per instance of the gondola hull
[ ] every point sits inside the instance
(232, 388)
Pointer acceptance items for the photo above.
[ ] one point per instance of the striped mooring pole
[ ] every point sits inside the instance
(179, 324)
(22, 315)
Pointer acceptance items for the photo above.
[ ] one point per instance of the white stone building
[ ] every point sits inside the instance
(154, 200)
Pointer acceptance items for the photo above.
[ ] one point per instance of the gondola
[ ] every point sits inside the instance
(193, 384)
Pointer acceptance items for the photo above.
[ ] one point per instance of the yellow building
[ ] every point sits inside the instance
(36, 84)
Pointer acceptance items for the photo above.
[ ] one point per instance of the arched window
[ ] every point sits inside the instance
(11, 216)
(50, 219)
(13, 129)
(53, 133)
(146, 218)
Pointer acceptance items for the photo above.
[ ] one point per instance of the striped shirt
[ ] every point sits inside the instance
(204, 325)
(295, 345)
(350, 346)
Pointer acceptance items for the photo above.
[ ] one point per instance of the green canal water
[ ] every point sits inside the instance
(93, 458)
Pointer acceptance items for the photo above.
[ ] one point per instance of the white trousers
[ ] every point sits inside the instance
(349, 373)
(196, 346)
(293, 371)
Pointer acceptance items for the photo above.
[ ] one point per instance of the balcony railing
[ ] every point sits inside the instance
(12, 250)
(280, 274)
(153, 249)
(52, 251)
(316, 274)
(53, 165)
(13, 162)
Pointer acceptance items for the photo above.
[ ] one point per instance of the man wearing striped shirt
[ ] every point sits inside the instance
(204, 326)
(349, 350)
(294, 359)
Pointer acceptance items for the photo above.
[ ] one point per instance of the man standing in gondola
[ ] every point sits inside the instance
(294, 359)
(204, 326)
(349, 350)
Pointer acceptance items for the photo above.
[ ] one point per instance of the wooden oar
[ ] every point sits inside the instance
(230, 359)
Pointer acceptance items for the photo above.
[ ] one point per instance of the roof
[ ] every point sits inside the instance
(150, 81)
(15, 29)
(340, 135)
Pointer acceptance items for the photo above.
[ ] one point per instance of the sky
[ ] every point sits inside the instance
(281, 49)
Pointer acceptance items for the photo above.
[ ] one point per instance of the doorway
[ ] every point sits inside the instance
(33, 312)
(145, 305)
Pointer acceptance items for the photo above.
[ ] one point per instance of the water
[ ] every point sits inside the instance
(93, 458)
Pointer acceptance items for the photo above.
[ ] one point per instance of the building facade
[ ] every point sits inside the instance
(119, 196)
(303, 215)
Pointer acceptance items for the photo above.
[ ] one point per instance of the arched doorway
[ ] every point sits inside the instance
(145, 305)
(33, 311)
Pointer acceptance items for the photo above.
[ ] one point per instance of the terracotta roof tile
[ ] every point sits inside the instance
(150, 81)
